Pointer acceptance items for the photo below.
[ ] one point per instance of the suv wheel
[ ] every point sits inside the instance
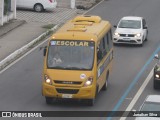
(141, 45)
(38, 7)
(146, 36)
(156, 85)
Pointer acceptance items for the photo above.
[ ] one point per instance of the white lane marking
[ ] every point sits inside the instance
(140, 91)
(23, 56)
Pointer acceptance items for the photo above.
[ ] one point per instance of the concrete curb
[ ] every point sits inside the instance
(16, 54)
(15, 25)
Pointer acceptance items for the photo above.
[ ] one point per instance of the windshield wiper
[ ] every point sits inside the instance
(58, 67)
(123, 27)
(75, 68)
(69, 68)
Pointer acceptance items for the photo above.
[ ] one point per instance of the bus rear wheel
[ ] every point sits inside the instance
(104, 88)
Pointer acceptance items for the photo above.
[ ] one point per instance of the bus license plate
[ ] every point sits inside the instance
(67, 96)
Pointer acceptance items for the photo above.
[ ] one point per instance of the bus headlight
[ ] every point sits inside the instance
(157, 76)
(138, 35)
(88, 82)
(47, 80)
(116, 34)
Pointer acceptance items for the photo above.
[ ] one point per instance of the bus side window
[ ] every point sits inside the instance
(106, 43)
(99, 54)
(101, 50)
(104, 46)
(110, 39)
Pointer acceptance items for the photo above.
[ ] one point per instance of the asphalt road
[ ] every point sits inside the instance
(20, 88)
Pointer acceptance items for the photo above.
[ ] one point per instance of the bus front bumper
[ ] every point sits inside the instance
(68, 92)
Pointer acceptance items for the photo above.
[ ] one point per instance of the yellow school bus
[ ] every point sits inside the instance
(78, 60)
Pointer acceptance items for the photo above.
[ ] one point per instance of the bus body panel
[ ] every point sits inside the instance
(69, 82)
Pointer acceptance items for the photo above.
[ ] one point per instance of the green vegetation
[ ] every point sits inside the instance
(49, 26)
(7, 5)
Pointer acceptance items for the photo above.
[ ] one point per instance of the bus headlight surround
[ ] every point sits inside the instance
(47, 80)
(88, 82)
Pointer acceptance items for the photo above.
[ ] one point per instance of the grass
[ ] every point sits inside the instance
(49, 26)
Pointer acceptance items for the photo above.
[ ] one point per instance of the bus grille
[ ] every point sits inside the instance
(67, 91)
(67, 82)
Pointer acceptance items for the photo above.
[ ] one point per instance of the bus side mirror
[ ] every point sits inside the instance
(99, 55)
(44, 51)
(156, 56)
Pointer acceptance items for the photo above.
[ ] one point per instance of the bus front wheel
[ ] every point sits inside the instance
(49, 100)
(90, 102)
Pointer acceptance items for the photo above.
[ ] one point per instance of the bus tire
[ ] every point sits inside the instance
(104, 88)
(49, 100)
(91, 102)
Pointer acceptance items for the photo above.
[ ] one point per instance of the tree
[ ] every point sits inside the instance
(7, 6)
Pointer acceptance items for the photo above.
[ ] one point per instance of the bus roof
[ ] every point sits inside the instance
(83, 28)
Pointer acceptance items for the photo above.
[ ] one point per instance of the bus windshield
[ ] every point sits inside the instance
(71, 55)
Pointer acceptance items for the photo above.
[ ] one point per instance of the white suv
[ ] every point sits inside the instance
(131, 30)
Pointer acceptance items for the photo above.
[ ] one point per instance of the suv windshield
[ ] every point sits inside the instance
(72, 55)
(134, 24)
